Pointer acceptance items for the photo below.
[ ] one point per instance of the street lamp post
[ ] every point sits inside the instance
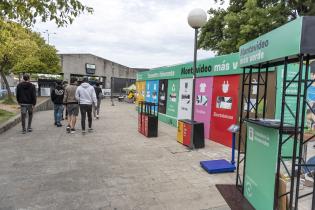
(196, 19)
(48, 34)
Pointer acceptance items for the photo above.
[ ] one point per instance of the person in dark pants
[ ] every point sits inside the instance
(57, 98)
(85, 95)
(99, 95)
(26, 97)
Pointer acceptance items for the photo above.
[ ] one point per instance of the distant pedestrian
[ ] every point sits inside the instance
(85, 94)
(57, 98)
(99, 95)
(26, 97)
(72, 104)
(65, 85)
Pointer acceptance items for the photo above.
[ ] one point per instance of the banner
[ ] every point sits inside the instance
(140, 94)
(162, 96)
(224, 108)
(215, 66)
(203, 94)
(152, 88)
(185, 99)
(172, 97)
(261, 161)
(273, 45)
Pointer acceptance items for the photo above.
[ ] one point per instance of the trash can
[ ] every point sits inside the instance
(148, 119)
(191, 134)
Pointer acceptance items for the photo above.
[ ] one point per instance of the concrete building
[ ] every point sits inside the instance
(109, 73)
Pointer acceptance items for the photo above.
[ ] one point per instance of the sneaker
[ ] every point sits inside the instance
(24, 131)
(68, 129)
(59, 125)
(29, 129)
(72, 130)
(90, 129)
(55, 124)
(83, 131)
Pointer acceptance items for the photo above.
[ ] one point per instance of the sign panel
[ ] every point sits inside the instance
(203, 94)
(140, 94)
(273, 45)
(224, 108)
(185, 99)
(152, 88)
(172, 97)
(162, 96)
(261, 161)
(90, 68)
(219, 65)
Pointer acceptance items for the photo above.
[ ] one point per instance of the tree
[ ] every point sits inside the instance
(244, 20)
(27, 12)
(22, 50)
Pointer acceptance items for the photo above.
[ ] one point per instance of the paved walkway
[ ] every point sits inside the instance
(112, 168)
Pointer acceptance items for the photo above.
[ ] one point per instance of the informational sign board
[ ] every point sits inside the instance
(172, 97)
(277, 44)
(140, 95)
(45, 91)
(162, 96)
(261, 161)
(224, 108)
(203, 96)
(151, 94)
(185, 99)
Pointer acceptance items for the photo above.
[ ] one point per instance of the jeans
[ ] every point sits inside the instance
(26, 108)
(86, 109)
(58, 110)
(96, 110)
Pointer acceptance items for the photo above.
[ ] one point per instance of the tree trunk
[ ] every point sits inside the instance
(6, 83)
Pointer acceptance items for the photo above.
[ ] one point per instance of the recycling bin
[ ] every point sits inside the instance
(147, 119)
(191, 134)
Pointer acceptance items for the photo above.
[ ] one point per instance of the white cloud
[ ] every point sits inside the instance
(135, 33)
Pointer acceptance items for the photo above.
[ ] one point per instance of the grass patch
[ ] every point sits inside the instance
(5, 115)
(8, 100)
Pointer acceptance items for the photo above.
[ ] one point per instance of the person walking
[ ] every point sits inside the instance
(85, 94)
(72, 104)
(65, 85)
(57, 98)
(99, 95)
(26, 97)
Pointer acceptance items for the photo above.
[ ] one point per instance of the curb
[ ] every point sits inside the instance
(43, 106)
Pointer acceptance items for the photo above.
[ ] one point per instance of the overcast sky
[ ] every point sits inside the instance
(134, 33)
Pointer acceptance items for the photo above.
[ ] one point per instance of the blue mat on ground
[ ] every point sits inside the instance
(217, 166)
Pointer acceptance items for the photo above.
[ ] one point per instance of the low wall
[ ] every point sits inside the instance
(42, 106)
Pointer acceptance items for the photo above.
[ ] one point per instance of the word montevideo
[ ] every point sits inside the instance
(202, 68)
(259, 45)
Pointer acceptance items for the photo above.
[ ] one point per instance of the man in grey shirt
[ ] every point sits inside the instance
(72, 104)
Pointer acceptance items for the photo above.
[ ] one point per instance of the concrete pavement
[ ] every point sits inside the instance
(113, 168)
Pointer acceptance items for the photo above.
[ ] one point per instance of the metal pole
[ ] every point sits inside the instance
(304, 101)
(194, 77)
(240, 132)
(296, 134)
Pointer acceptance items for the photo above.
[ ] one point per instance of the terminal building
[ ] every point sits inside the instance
(111, 75)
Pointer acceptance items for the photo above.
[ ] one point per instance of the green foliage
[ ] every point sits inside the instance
(22, 50)
(244, 20)
(27, 12)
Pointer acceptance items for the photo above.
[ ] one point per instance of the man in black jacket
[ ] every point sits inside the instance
(57, 98)
(99, 94)
(26, 97)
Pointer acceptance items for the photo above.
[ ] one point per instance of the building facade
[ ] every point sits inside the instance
(111, 75)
